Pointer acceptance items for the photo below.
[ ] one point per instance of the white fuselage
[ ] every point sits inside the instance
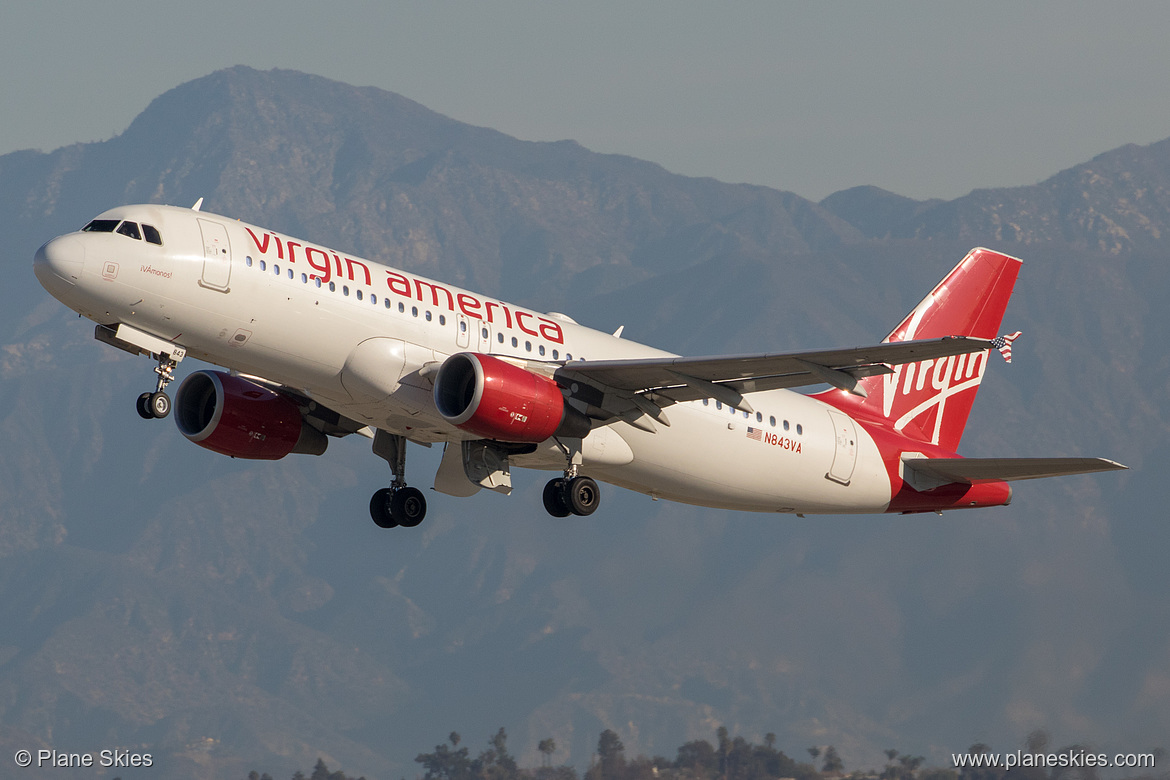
(355, 335)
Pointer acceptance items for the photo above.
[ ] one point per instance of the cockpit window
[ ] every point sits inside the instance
(100, 226)
(130, 229)
(151, 234)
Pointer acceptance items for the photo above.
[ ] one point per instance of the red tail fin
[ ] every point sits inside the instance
(930, 400)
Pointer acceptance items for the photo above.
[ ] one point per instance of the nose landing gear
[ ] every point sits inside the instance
(157, 405)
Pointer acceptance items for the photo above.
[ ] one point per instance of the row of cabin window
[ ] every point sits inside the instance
(759, 416)
(124, 228)
(402, 308)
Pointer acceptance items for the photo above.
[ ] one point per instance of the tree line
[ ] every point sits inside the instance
(728, 758)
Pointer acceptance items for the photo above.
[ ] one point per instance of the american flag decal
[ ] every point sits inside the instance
(755, 433)
(1004, 345)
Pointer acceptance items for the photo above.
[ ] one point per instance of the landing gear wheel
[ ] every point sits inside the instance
(582, 495)
(380, 509)
(159, 404)
(554, 498)
(408, 506)
(143, 406)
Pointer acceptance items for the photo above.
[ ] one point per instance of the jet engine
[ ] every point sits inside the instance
(497, 400)
(233, 416)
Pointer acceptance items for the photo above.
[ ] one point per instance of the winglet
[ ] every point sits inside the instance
(1004, 345)
(198, 205)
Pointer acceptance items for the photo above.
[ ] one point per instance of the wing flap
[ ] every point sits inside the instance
(975, 470)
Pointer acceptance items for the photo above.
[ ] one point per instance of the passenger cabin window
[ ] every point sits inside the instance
(151, 234)
(130, 229)
(100, 226)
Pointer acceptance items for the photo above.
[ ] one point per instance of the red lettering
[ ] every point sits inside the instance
(783, 442)
(337, 260)
(322, 267)
(469, 302)
(279, 247)
(507, 314)
(261, 248)
(398, 283)
(349, 264)
(520, 322)
(435, 288)
(551, 331)
(291, 256)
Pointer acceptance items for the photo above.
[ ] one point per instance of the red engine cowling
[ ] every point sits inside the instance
(232, 416)
(497, 400)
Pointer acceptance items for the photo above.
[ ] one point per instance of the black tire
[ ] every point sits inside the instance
(143, 406)
(159, 405)
(582, 495)
(554, 498)
(380, 509)
(408, 506)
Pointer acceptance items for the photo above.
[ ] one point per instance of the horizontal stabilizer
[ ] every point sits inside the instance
(974, 470)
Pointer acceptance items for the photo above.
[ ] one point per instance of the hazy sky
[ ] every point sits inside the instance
(927, 99)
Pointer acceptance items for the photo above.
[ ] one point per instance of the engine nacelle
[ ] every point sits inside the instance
(497, 400)
(232, 416)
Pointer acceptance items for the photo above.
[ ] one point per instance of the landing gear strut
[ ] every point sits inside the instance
(397, 505)
(157, 405)
(571, 495)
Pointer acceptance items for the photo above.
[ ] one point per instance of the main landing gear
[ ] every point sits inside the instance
(157, 405)
(571, 495)
(397, 505)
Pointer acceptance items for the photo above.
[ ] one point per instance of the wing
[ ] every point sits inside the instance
(630, 389)
(974, 470)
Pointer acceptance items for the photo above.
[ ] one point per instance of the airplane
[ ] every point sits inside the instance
(319, 344)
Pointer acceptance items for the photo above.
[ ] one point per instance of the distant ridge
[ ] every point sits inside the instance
(1117, 203)
(464, 203)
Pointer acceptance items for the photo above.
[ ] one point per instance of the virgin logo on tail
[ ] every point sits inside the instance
(930, 401)
(926, 386)
(946, 377)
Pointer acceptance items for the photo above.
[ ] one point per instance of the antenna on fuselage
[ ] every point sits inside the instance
(198, 205)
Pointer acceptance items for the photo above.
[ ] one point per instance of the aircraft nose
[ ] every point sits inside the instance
(61, 258)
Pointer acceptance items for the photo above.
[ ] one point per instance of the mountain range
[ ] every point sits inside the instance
(226, 615)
